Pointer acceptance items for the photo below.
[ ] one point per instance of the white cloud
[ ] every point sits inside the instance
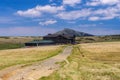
(49, 9)
(94, 18)
(48, 22)
(71, 2)
(110, 2)
(93, 3)
(102, 2)
(29, 13)
(92, 14)
(72, 15)
(105, 14)
(39, 10)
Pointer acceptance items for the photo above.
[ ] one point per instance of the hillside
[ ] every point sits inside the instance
(68, 31)
(89, 39)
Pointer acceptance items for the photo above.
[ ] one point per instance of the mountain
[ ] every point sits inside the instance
(68, 31)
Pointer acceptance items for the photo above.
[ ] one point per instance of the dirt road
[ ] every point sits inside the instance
(36, 70)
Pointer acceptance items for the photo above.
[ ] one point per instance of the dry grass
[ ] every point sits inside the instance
(27, 55)
(101, 62)
(16, 39)
(108, 52)
(15, 42)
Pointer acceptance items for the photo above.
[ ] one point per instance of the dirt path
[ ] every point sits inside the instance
(37, 70)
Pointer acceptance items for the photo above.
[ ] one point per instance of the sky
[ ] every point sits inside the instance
(40, 17)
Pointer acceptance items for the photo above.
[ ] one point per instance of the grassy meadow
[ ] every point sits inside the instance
(92, 39)
(27, 55)
(91, 61)
(14, 42)
(9, 42)
(10, 46)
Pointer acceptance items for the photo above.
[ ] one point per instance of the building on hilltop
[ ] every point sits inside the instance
(60, 38)
(51, 39)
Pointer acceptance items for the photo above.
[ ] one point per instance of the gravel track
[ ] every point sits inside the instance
(36, 70)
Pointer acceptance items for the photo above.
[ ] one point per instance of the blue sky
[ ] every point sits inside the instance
(40, 17)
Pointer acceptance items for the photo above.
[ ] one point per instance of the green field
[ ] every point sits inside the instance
(27, 56)
(92, 61)
(10, 46)
(14, 42)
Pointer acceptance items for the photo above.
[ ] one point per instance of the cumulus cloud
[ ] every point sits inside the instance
(93, 3)
(102, 2)
(39, 10)
(109, 1)
(29, 13)
(48, 22)
(71, 2)
(111, 11)
(105, 14)
(94, 18)
(72, 15)
(92, 14)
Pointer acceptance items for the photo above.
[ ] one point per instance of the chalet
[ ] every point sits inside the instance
(51, 39)
(60, 38)
(39, 43)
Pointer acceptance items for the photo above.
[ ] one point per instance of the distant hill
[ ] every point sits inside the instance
(107, 38)
(68, 31)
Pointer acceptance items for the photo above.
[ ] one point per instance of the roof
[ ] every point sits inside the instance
(41, 41)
